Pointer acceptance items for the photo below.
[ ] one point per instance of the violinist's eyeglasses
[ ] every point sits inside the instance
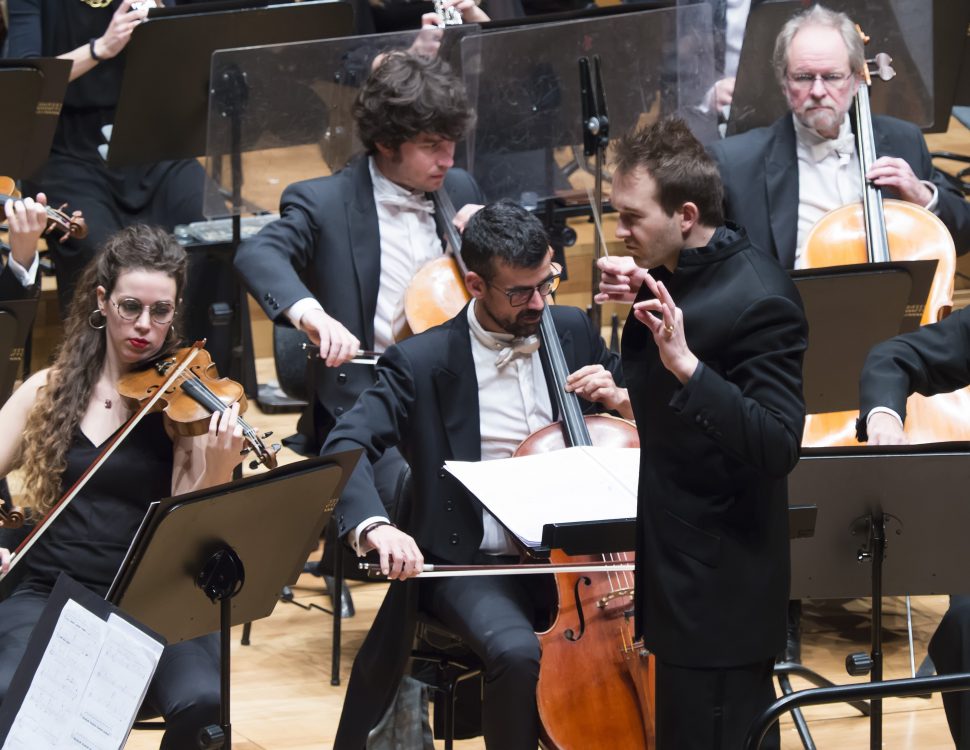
(519, 296)
(831, 81)
(130, 309)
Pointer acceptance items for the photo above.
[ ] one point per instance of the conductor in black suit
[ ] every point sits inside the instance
(471, 389)
(339, 259)
(780, 180)
(712, 357)
(934, 359)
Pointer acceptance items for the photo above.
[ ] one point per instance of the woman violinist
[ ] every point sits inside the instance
(123, 313)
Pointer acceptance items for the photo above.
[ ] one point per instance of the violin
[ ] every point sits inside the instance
(71, 225)
(437, 292)
(189, 401)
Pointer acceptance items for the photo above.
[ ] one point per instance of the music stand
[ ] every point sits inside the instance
(241, 543)
(850, 309)
(16, 318)
(951, 60)
(873, 501)
(162, 109)
(33, 91)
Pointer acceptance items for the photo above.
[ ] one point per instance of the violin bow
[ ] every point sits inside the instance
(453, 571)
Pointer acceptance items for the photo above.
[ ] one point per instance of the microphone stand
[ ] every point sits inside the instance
(596, 138)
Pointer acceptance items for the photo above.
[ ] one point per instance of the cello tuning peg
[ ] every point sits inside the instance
(266, 435)
(254, 465)
(245, 451)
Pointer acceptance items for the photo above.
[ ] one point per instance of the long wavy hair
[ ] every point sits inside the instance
(62, 402)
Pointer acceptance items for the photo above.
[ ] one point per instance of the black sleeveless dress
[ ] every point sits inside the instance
(90, 538)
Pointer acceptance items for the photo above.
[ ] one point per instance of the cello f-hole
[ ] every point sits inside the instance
(568, 633)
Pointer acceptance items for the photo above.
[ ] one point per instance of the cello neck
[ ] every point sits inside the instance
(569, 409)
(445, 209)
(877, 240)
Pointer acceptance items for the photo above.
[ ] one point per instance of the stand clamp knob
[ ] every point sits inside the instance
(858, 664)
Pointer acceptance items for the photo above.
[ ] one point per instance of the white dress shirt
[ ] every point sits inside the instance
(409, 239)
(26, 276)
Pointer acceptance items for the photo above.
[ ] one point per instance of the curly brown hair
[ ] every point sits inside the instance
(406, 95)
(63, 400)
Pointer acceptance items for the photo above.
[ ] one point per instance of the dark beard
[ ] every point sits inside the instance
(525, 324)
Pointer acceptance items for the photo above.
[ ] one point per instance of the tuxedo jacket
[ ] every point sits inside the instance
(933, 359)
(11, 288)
(712, 578)
(425, 402)
(327, 245)
(760, 173)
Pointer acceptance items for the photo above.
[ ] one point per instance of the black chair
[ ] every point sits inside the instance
(452, 665)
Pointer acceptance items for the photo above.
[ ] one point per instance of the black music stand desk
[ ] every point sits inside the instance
(33, 91)
(240, 543)
(850, 309)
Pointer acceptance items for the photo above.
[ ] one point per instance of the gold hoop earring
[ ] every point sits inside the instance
(97, 319)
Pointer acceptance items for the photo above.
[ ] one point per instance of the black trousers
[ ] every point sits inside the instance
(184, 690)
(494, 616)
(950, 651)
(172, 194)
(712, 709)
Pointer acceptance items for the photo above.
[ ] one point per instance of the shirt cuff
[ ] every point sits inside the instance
(934, 201)
(362, 548)
(301, 307)
(26, 276)
(883, 410)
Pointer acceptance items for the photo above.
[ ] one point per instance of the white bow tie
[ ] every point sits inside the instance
(841, 146)
(517, 348)
(407, 202)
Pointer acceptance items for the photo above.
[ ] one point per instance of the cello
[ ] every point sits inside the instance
(437, 291)
(595, 681)
(879, 230)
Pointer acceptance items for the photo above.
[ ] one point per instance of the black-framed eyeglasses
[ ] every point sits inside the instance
(130, 309)
(520, 295)
(831, 81)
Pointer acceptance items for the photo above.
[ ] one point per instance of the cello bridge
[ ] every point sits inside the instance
(614, 595)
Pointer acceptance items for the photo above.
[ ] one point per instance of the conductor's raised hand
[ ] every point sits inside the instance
(620, 279)
(400, 557)
(118, 33)
(666, 322)
(337, 344)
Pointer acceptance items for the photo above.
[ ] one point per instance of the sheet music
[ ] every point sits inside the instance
(570, 485)
(89, 684)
